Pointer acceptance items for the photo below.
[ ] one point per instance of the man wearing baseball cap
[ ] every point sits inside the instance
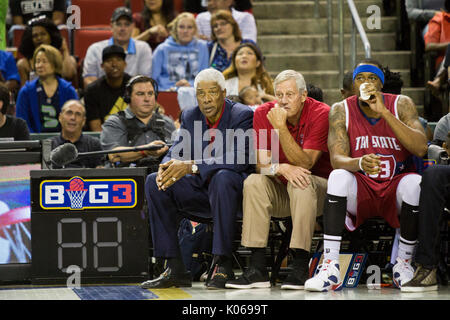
(138, 53)
(103, 97)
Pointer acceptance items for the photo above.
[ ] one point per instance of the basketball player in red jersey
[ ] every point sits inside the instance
(372, 137)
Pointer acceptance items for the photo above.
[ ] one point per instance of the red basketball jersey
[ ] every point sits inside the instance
(376, 136)
(376, 193)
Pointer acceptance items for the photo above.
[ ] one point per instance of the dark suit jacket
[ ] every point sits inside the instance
(233, 145)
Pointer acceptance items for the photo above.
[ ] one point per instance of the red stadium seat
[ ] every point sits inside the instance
(84, 37)
(99, 12)
(168, 100)
(137, 5)
(178, 6)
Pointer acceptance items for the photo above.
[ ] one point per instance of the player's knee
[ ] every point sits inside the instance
(339, 182)
(409, 189)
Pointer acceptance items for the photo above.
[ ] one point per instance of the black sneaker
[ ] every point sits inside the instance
(296, 279)
(251, 278)
(424, 280)
(219, 278)
(168, 280)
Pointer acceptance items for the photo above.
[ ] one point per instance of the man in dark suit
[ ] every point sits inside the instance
(202, 175)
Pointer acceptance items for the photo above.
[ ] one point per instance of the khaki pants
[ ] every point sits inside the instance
(264, 197)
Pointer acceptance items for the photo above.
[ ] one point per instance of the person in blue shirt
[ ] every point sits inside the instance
(226, 36)
(181, 56)
(9, 75)
(8, 70)
(39, 102)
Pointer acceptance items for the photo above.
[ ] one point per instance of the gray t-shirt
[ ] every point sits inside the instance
(114, 131)
(442, 128)
(423, 10)
(139, 58)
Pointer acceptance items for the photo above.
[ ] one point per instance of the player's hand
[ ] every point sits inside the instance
(375, 100)
(370, 164)
(299, 177)
(277, 117)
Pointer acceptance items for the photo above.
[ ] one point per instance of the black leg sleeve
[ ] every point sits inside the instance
(409, 218)
(334, 215)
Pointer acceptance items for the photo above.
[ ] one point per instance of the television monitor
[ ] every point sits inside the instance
(15, 224)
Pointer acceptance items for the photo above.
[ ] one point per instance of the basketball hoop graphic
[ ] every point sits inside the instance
(76, 193)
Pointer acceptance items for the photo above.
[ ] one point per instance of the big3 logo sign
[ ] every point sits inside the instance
(78, 193)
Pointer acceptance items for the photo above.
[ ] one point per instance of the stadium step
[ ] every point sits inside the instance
(292, 36)
(319, 43)
(317, 26)
(325, 61)
(306, 9)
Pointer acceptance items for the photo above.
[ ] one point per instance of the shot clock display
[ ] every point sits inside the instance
(92, 219)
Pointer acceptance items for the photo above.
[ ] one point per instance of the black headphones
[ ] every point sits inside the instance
(132, 81)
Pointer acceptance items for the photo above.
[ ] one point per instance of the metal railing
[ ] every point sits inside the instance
(356, 25)
(329, 21)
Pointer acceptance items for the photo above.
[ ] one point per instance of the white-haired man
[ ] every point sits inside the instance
(201, 176)
(292, 184)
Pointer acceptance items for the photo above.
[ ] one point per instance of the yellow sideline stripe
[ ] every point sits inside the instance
(170, 294)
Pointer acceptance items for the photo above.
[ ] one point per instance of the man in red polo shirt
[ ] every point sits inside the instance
(294, 128)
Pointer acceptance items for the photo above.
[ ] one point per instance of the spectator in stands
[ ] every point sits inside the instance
(39, 102)
(245, 20)
(151, 23)
(243, 5)
(72, 119)
(139, 53)
(292, 184)
(205, 186)
(347, 85)
(39, 31)
(250, 96)
(104, 96)
(247, 69)
(139, 125)
(225, 38)
(24, 10)
(9, 75)
(10, 126)
(437, 37)
(194, 6)
(181, 56)
(314, 92)
(422, 11)
(441, 130)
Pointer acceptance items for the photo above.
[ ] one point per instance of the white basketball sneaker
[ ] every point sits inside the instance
(327, 277)
(402, 272)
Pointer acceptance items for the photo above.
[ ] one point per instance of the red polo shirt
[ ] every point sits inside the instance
(311, 132)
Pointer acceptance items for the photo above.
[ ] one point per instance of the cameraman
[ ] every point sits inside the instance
(434, 197)
(139, 125)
